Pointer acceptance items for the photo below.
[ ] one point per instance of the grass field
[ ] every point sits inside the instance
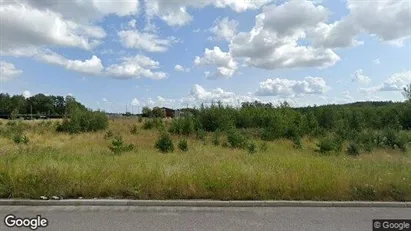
(82, 165)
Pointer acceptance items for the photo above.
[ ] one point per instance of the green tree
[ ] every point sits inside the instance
(146, 112)
(158, 113)
(407, 92)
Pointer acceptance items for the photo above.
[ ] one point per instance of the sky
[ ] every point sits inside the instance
(123, 55)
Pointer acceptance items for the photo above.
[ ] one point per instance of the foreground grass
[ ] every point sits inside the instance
(82, 166)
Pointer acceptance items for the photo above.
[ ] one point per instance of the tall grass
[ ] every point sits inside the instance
(82, 165)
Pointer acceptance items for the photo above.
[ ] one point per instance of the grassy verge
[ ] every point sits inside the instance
(82, 166)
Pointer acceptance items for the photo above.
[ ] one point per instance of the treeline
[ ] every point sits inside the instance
(282, 120)
(361, 126)
(39, 104)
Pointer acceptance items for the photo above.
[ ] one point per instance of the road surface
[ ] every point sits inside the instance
(108, 218)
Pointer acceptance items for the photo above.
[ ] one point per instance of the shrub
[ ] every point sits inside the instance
(251, 148)
(329, 144)
(20, 139)
(82, 120)
(182, 145)
(297, 142)
(353, 149)
(269, 134)
(216, 138)
(118, 146)
(140, 119)
(235, 139)
(182, 126)
(393, 139)
(201, 135)
(134, 130)
(402, 141)
(165, 143)
(108, 134)
(153, 123)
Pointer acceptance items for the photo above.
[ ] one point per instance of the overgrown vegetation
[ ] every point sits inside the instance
(183, 145)
(258, 151)
(118, 146)
(165, 143)
(83, 120)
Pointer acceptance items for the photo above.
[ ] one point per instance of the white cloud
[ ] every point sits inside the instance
(132, 23)
(135, 102)
(200, 95)
(226, 65)
(90, 66)
(130, 67)
(104, 100)
(8, 71)
(224, 29)
(273, 41)
(376, 61)
(359, 76)
(84, 11)
(136, 67)
(174, 13)
(26, 94)
(20, 28)
(145, 41)
(180, 68)
(388, 20)
(120, 8)
(395, 82)
(287, 87)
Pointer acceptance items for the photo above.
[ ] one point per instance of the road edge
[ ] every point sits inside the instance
(201, 203)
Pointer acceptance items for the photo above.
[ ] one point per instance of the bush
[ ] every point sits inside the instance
(82, 120)
(393, 139)
(297, 142)
(118, 146)
(165, 143)
(20, 139)
(251, 148)
(140, 119)
(182, 145)
(108, 134)
(134, 130)
(328, 144)
(182, 126)
(153, 123)
(269, 134)
(201, 135)
(235, 139)
(216, 138)
(403, 140)
(353, 149)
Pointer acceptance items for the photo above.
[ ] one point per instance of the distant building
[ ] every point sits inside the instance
(180, 113)
(168, 112)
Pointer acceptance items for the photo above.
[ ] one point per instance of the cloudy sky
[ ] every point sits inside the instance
(111, 53)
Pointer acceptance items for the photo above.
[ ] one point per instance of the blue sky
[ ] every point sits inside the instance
(175, 53)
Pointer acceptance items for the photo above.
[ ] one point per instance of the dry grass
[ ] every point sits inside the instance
(82, 165)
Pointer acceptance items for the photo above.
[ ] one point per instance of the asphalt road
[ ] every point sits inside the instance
(124, 218)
